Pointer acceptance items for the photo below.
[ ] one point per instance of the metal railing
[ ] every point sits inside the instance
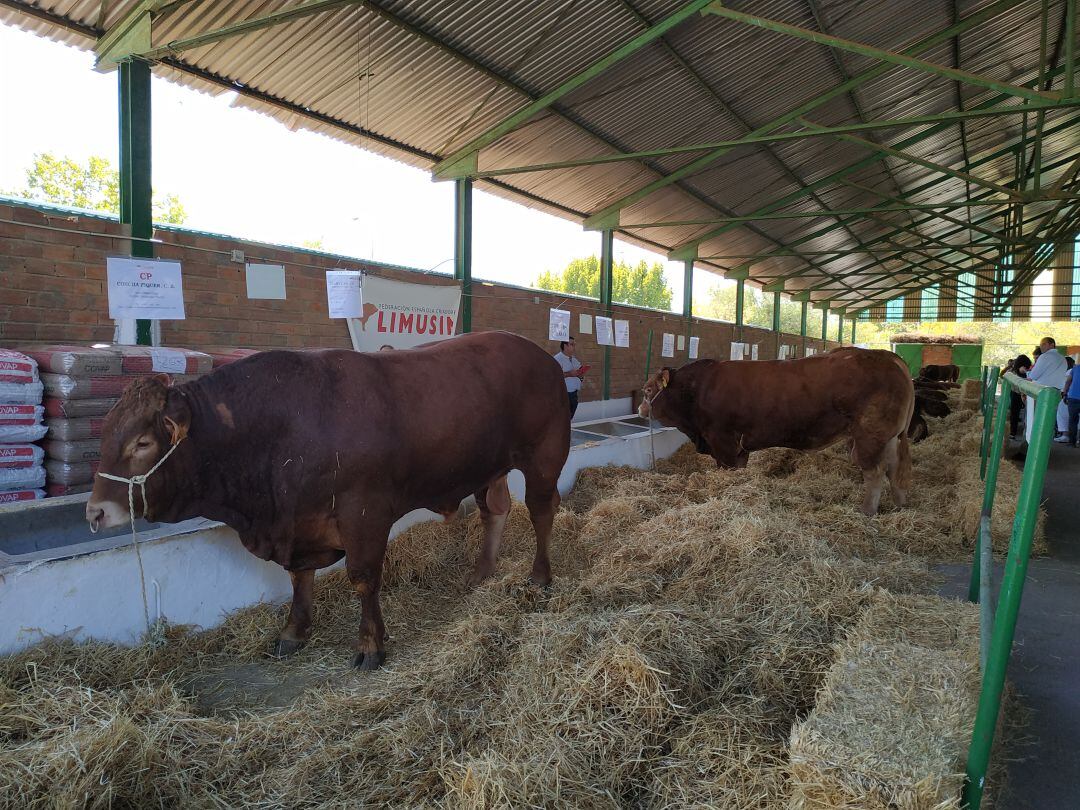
(997, 628)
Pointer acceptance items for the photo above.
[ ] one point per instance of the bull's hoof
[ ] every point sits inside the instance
(284, 647)
(369, 662)
(478, 575)
(540, 577)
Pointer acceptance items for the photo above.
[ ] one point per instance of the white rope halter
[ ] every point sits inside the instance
(155, 632)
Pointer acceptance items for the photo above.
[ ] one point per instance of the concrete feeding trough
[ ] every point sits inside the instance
(59, 580)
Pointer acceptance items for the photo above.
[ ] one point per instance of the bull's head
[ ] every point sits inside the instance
(150, 418)
(654, 389)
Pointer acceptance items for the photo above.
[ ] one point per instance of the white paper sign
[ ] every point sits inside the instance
(343, 294)
(168, 360)
(400, 315)
(682, 342)
(753, 352)
(585, 324)
(145, 288)
(266, 281)
(694, 343)
(558, 324)
(810, 352)
(604, 335)
(736, 351)
(622, 334)
(668, 348)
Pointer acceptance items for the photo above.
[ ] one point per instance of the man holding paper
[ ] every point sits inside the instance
(573, 371)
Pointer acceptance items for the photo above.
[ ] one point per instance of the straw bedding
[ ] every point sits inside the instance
(691, 622)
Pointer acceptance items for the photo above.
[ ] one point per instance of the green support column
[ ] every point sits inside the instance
(688, 289)
(776, 312)
(136, 207)
(740, 292)
(607, 242)
(825, 322)
(463, 248)
(840, 331)
(853, 322)
(802, 318)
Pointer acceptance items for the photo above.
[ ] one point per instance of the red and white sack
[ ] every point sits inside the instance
(20, 456)
(59, 408)
(224, 355)
(81, 450)
(57, 490)
(152, 359)
(69, 430)
(19, 495)
(78, 361)
(20, 424)
(22, 478)
(64, 386)
(21, 393)
(70, 472)
(18, 368)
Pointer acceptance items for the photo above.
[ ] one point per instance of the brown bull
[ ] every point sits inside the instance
(312, 456)
(731, 408)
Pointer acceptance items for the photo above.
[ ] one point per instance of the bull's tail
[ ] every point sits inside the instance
(902, 481)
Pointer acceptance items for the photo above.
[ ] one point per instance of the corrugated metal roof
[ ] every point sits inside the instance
(418, 79)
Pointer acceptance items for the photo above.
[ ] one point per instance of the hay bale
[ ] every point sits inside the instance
(894, 716)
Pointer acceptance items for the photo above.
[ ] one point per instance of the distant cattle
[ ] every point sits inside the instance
(312, 456)
(728, 409)
(930, 401)
(942, 373)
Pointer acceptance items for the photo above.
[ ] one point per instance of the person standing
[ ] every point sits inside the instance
(1072, 402)
(1020, 366)
(1048, 370)
(572, 371)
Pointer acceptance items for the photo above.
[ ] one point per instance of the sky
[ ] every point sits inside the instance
(242, 174)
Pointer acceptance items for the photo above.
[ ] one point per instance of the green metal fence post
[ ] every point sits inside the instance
(990, 477)
(463, 247)
(136, 196)
(1012, 587)
(607, 244)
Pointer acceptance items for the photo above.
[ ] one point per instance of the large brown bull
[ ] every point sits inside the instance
(731, 408)
(312, 456)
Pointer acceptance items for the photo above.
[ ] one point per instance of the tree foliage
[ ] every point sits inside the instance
(93, 185)
(641, 284)
(718, 303)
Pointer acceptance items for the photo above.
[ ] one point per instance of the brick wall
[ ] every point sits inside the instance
(52, 282)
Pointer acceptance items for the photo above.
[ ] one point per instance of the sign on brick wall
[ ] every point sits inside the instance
(402, 315)
(144, 288)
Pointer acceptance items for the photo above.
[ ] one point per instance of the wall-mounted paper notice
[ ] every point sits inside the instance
(753, 352)
(682, 342)
(558, 324)
(343, 294)
(604, 331)
(736, 350)
(584, 324)
(694, 344)
(266, 281)
(144, 288)
(668, 348)
(622, 334)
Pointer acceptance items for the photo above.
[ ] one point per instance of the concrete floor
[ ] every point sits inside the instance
(1045, 666)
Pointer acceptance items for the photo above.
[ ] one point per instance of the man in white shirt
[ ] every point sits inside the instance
(1049, 370)
(572, 371)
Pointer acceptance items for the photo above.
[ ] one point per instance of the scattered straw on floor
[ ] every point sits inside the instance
(692, 619)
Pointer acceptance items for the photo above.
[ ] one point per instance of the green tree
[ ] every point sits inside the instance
(641, 284)
(719, 303)
(312, 244)
(94, 185)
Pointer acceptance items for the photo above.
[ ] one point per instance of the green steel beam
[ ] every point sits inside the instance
(902, 59)
(609, 215)
(136, 195)
(780, 137)
(847, 170)
(688, 289)
(824, 320)
(929, 164)
(740, 294)
(607, 246)
(804, 305)
(463, 160)
(1070, 48)
(129, 35)
(854, 321)
(776, 311)
(838, 253)
(463, 231)
(246, 27)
